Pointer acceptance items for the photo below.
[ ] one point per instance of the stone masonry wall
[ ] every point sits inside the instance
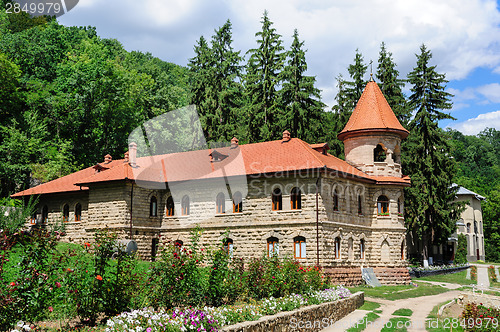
(310, 318)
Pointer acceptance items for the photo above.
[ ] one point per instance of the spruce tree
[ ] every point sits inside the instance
(262, 79)
(430, 213)
(347, 97)
(215, 86)
(303, 108)
(391, 85)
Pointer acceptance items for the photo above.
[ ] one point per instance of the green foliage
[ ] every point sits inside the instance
(461, 253)
(261, 82)
(391, 86)
(480, 318)
(177, 278)
(303, 113)
(430, 210)
(491, 273)
(101, 279)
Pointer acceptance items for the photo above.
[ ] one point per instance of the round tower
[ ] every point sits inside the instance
(372, 136)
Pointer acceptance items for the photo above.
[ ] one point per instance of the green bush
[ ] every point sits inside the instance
(177, 278)
(461, 254)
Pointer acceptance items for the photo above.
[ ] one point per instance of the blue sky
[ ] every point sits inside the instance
(464, 37)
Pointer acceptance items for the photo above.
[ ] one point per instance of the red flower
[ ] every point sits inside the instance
(51, 309)
(98, 277)
(87, 244)
(58, 284)
(13, 284)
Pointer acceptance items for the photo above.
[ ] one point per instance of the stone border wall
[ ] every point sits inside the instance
(418, 274)
(310, 318)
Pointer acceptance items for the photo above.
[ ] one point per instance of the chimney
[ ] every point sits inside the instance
(126, 157)
(286, 136)
(107, 159)
(234, 143)
(132, 148)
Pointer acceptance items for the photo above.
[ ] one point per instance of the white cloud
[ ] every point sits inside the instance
(491, 92)
(475, 125)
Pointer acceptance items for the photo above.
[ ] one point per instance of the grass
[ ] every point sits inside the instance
(454, 278)
(396, 324)
(400, 292)
(436, 323)
(370, 306)
(369, 317)
(403, 312)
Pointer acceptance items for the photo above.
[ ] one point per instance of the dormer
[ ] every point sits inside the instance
(216, 156)
(372, 136)
(320, 147)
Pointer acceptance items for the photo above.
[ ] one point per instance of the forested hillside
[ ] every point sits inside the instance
(68, 97)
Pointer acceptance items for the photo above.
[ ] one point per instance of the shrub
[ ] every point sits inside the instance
(102, 278)
(177, 278)
(492, 274)
(480, 318)
(473, 273)
(461, 254)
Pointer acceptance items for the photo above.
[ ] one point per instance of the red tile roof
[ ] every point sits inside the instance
(248, 159)
(372, 114)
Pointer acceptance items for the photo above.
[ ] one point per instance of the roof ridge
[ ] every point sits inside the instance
(310, 150)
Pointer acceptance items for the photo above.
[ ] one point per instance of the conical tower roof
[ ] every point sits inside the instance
(372, 114)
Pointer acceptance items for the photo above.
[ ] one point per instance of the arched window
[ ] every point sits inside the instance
(475, 227)
(337, 247)
(299, 251)
(350, 249)
(185, 205)
(400, 208)
(33, 218)
(335, 200)
(468, 227)
(153, 207)
(277, 199)
(379, 154)
(403, 250)
(362, 249)
(45, 214)
(295, 199)
(360, 205)
(228, 247)
(220, 203)
(383, 205)
(78, 212)
(66, 213)
(170, 207)
(237, 202)
(273, 247)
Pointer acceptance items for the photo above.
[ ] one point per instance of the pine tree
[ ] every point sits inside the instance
(391, 85)
(303, 108)
(225, 86)
(430, 213)
(215, 86)
(347, 97)
(199, 67)
(263, 77)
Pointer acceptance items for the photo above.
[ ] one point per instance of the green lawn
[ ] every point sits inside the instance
(368, 305)
(400, 292)
(454, 278)
(436, 323)
(396, 324)
(403, 312)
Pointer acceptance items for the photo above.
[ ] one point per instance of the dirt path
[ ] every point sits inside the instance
(421, 307)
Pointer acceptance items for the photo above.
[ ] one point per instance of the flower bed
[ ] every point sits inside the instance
(213, 318)
(436, 269)
(492, 274)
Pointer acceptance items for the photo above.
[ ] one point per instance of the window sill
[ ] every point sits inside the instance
(287, 211)
(177, 217)
(232, 214)
(72, 222)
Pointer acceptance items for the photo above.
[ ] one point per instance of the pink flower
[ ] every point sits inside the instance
(51, 309)
(58, 284)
